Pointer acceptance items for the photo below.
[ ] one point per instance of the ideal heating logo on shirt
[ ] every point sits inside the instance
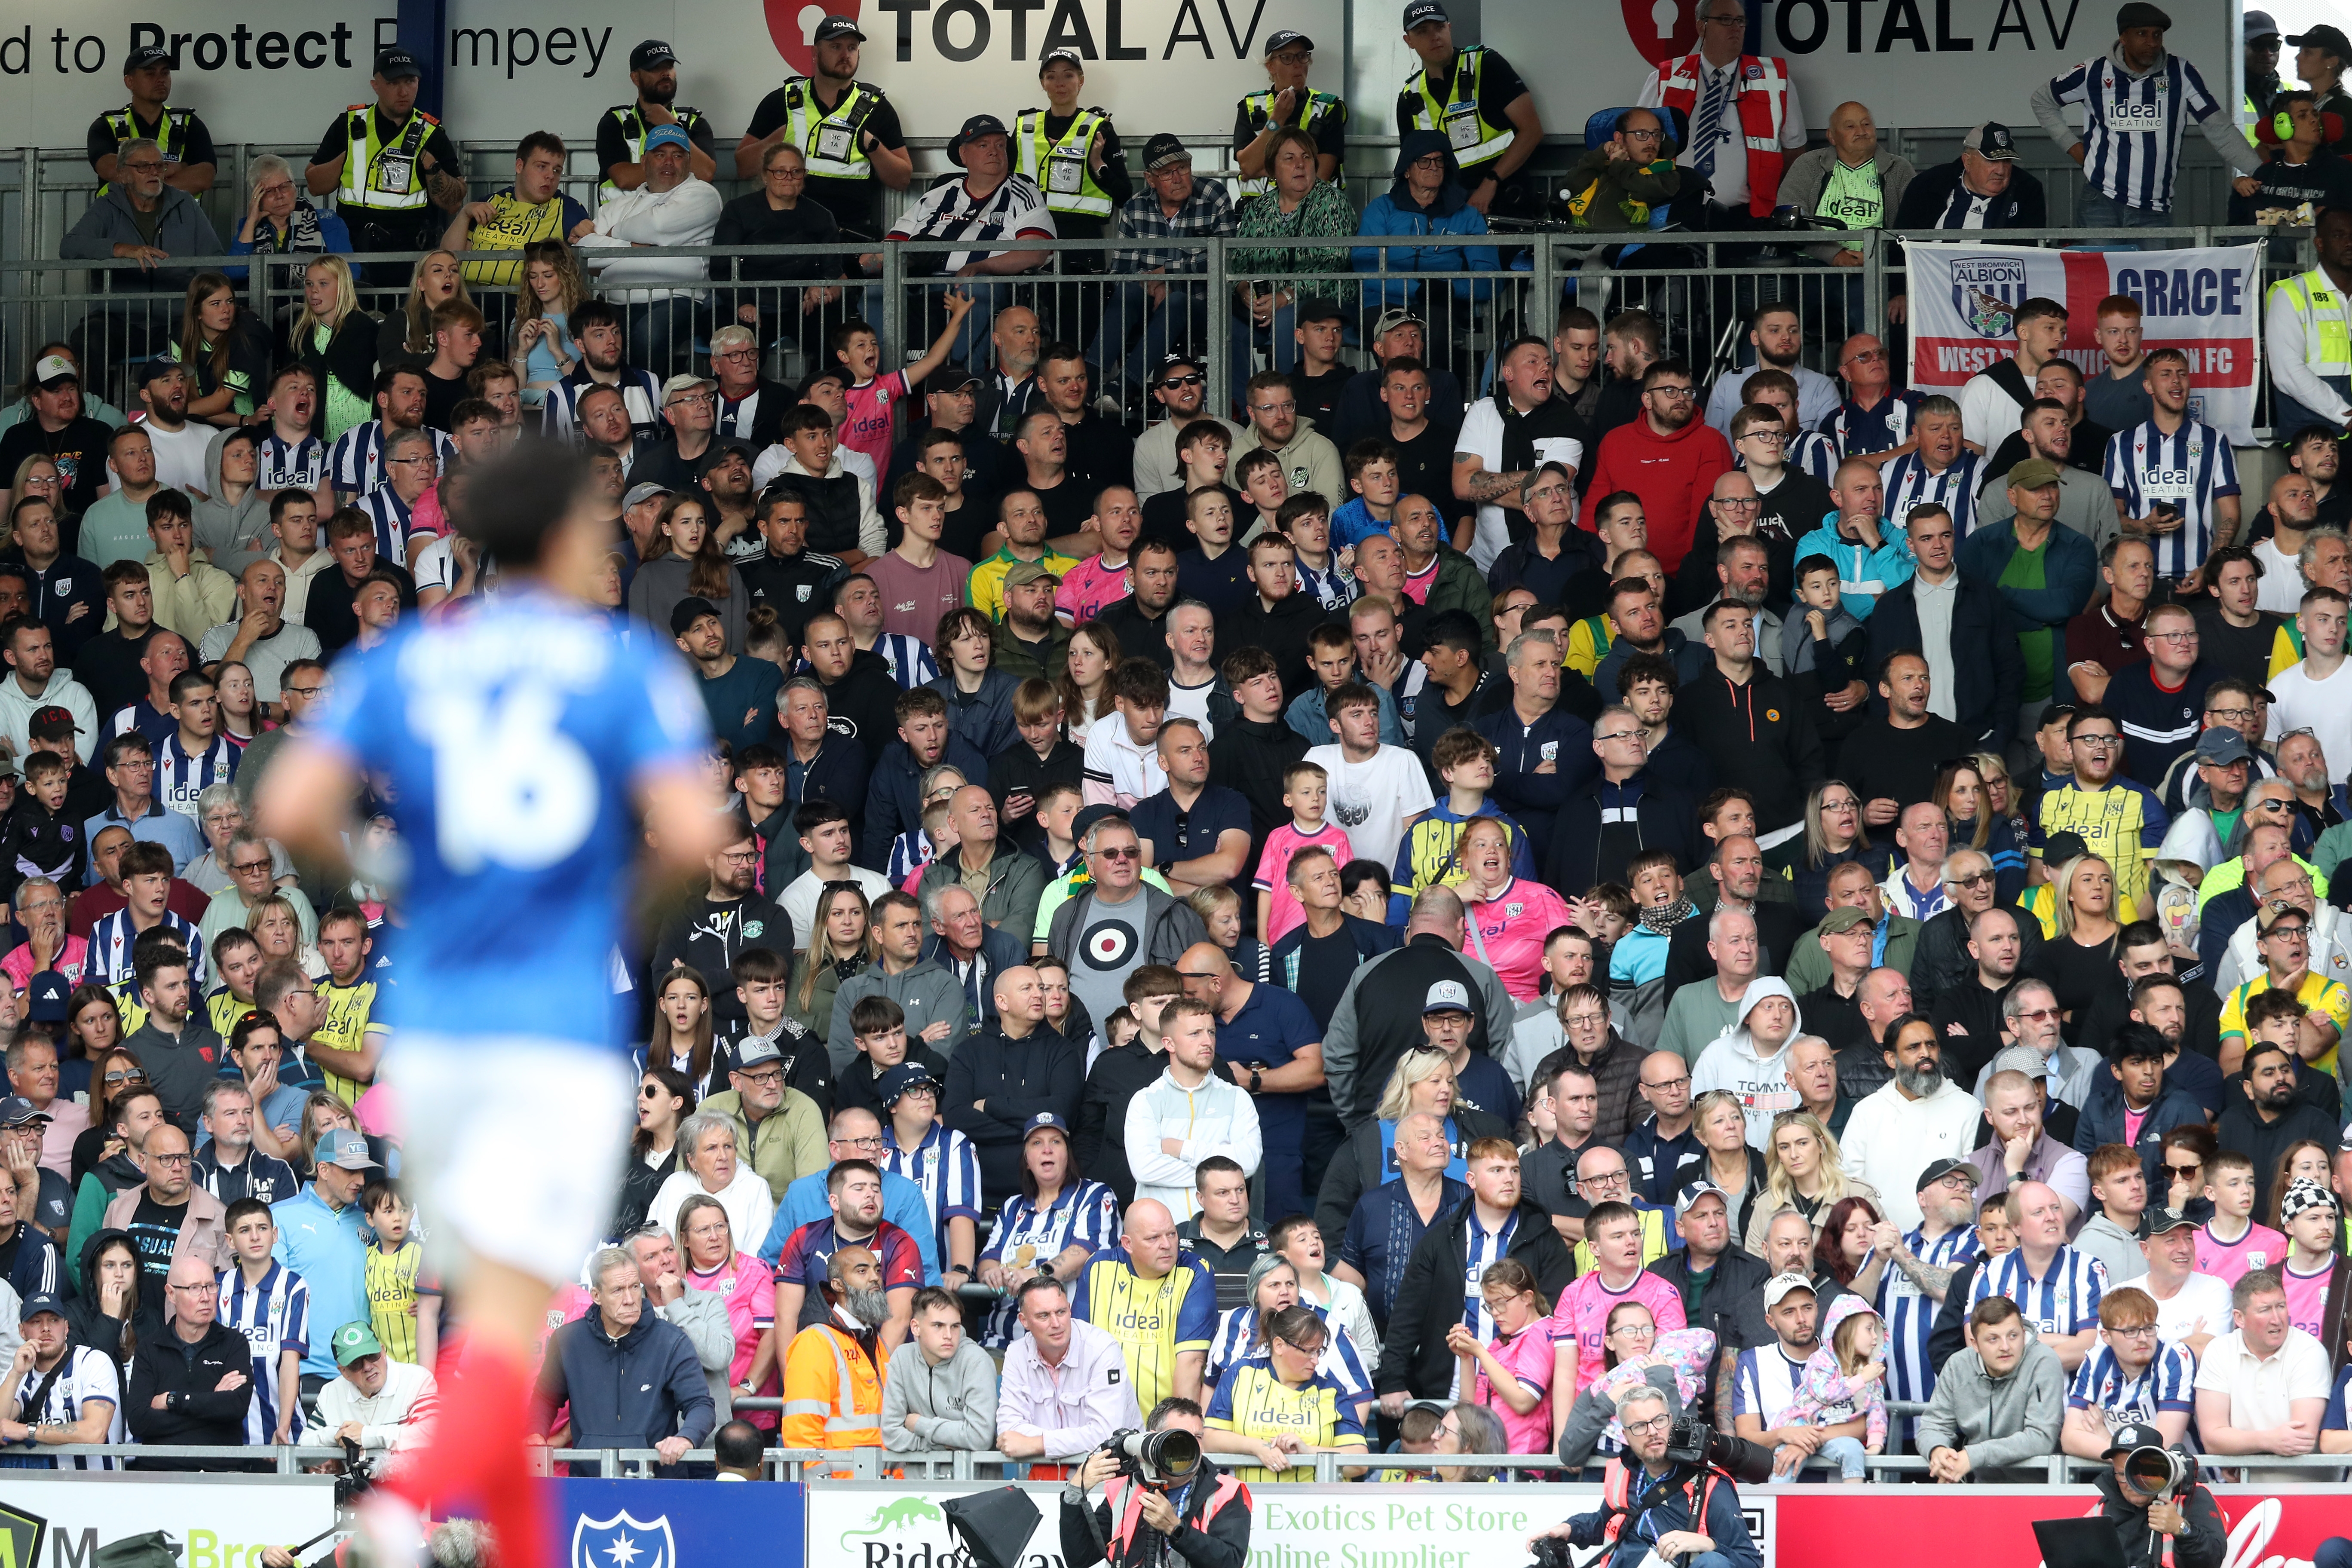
(2131, 116)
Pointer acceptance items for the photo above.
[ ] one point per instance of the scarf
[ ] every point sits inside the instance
(1661, 919)
(301, 236)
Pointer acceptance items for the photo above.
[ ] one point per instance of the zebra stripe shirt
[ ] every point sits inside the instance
(273, 1313)
(2064, 1300)
(1910, 483)
(2188, 470)
(2132, 125)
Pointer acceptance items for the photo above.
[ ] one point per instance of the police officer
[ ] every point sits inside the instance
(621, 133)
(188, 157)
(1073, 156)
(1287, 100)
(2308, 322)
(2155, 1525)
(846, 128)
(1481, 105)
(389, 165)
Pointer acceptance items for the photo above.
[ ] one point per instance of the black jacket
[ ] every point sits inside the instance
(2243, 1130)
(1139, 636)
(2101, 1122)
(1388, 1019)
(195, 1411)
(1663, 819)
(1757, 733)
(2204, 1543)
(1017, 770)
(796, 586)
(1987, 671)
(1732, 1310)
(862, 704)
(1414, 1356)
(837, 776)
(1017, 1079)
(706, 936)
(1941, 960)
(1250, 757)
(99, 1331)
(1780, 927)
(1098, 1143)
(1225, 1545)
(1281, 631)
(894, 790)
(1360, 1168)
(2020, 205)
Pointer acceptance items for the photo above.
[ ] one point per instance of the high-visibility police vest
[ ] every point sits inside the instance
(1474, 142)
(829, 140)
(381, 175)
(1762, 101)
(1059, 167)
(1257, 109)
(632, 134)
(171, 134)
(1126, 1499)
(2320, 305)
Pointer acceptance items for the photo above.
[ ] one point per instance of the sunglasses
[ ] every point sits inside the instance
(1121, 852)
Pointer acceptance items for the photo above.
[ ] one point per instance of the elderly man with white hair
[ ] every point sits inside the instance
(702, 1314)
(2286, 882)
(2030, 1015)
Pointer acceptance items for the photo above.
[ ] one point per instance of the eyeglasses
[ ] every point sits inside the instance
(1120, 852)
(249, 866)
(1588, 1021)
(689, 400)
(768, 1079)
(1621, 735)
(2169, 636)
(1655, 1424)
(2231, 715)
(304, 691)
(870, 1142)
(206, 1289)
(1864, 356)
(1606, 1179)
(2142, 1330)
(1769, 437)
(1738, 503)
(172, 1159)
(1669, 1083)
(785, 173)
(1979, 881)
(1674, 393)
(1290, 408)
(2097, 742)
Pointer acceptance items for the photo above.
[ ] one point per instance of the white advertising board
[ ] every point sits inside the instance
(59, 1519)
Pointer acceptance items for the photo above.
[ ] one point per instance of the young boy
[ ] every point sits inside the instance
(763, 976)
(2230, 1243)
(912, 851)
(1374, 793)
(1823, 649)
(934, 1156)
(2308, 1211)
(1322, 577)
(1202, 449)
(1020, 773)
(873, 397)
(1372, 468)
(1307, 791)
(1058, 816)
(879, 1028)
(37, 837)
(1265, 487)
(403, 1302)
(1331, 656)
(1465, 765)
(269, 1304)
(1213, 571)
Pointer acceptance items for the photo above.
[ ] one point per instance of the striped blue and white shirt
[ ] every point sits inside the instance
(1341, 1363)
(2165, 1383)
(182, 775)
(297, 465)
(945, 1167)
(1810, 452)
(1910, 483)
(1026, 1236)
(110, 941)
(910, 659)
(1483, 1246)
(1855, 431)
(355, 462)
(391, 517)
(2188, 470)
(87, 1377)
(1910, 1312)
(2065, 1300)
(2132, 125)
(274, 1315)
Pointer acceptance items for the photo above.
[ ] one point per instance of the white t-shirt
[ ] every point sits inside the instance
(180, 455)
(1372, 799)
(799, 900)
(2201, 1305)
(1192, 702)
(435, 565)
(1482, 436)
(2325, 706)
(2280, 588)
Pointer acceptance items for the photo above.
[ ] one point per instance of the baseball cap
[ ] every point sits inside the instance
(651, 53)
(2186, 1217)
(1447, 996)
(1288, 40)
(2221, 745)
(1163, 150)
(52, 723)
(157, 369)
(1082, 824)
(1938, 1169)
(1044, 1122)
(147, 54)
(2324, 36)
(2034, 473)
(688, 611)
(2304, 1194)
(1318, 309)
(978, 126)
(640, 494)
(345, 1147)
(1991, 141)
(683, 382)
(2063, 847)
(670, 135)
(1024, 572)
(35, 1305)
(1687, 1199)
(2134, 1435)
(838, 27)
(46, 997)
(1391, 320)
(2258, 25)
(1067, 55)
(354, 1340)
(1421, 11)
(395, 64)
(1780, 1285)
(1170, 363)
(951, 378)
(51, 368)
(1844, 919)
(2140, 14)
(16, 1111)
(755, 1052)
(906, 1076)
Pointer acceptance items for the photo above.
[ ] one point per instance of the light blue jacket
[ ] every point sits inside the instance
(1452, 217)
(1862, 573)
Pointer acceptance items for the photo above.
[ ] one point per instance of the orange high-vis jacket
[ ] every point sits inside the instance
(833, 1391)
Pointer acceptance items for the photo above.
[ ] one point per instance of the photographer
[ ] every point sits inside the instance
(1204, 1520)
(1682, 1510)
(2199, 1537)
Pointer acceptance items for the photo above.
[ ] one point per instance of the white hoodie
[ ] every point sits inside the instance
(685, 213)
(63, 690)
(1760, 1082)
(1217, 1118)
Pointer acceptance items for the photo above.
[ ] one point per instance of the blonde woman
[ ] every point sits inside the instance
(2083, 916)
(1804, 1170)
(406, 337)
(1421, 1082)
(543, 353)
(337, 340)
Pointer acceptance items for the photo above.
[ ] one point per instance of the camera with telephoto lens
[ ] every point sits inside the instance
(1159, 1460)
(1553, 1551)
(2159, 1472)
(1693, 1440)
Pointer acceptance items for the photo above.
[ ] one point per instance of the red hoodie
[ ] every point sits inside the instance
(1673, 475)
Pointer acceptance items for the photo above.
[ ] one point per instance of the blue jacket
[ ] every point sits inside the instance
(1988, 670)
(2070, 567)
(1662, 1507)
(1662, 819)
(894, 792)
(1308, 716)
(629, 1392)
(2101, 1122)
(1394, 212)
(984, 718)
(1889, 565)
(1536, 798)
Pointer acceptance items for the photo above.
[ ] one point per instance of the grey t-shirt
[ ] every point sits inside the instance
(1109, 947)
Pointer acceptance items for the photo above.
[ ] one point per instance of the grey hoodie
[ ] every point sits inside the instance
(235, 532)
(702, 1314)
(926, 992)
(1999, 1421)
(2221, 129)
(182, 229)
(953, 1405)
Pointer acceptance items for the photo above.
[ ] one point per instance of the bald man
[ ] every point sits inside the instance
(1272, 1047)
(1663, 1152)
(1156, 1300)
(261, 637)
(1003, 1076)
(191, 1382)
(2056, 1287)
(169, 1216)
(1851, 181)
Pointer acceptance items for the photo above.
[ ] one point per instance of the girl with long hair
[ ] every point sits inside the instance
(1084, 679)
(226, 361)
(681, 1036)
(406, 337)
(684, 560)
(665, 1099)
(337, 340)
(841, 943)
(1805, 1170)
(543, 353)
(1967, 804)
